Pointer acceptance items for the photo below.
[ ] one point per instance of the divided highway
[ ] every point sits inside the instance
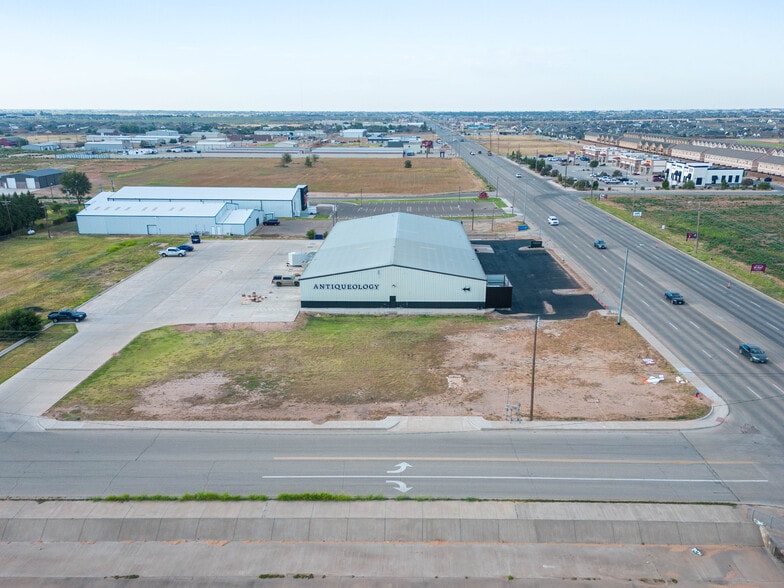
(739, 461)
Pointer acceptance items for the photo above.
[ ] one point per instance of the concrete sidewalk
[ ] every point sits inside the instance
(384, 543)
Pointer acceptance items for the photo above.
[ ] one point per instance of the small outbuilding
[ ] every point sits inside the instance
(396, 260)
(31, 180)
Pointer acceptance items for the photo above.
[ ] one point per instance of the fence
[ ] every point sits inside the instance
(764, 519)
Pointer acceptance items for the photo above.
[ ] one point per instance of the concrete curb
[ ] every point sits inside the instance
(379, 521)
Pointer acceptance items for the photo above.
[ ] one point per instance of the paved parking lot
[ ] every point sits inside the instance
(540, 285)
(206, 286)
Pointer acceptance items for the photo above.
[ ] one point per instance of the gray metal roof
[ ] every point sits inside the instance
(400, 239)
(39, 173)
(202, 193)
(101, 205)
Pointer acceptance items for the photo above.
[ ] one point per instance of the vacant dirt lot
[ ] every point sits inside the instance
(588, 369)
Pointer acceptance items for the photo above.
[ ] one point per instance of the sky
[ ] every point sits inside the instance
(402, 56)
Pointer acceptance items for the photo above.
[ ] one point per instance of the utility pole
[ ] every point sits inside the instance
(623, 285)
(697, 240)
(533, 372)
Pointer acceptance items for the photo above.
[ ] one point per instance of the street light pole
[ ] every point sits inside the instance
(533, 372)
(697, 240)
(623, 285)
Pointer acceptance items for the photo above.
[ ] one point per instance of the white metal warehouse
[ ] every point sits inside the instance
(395, 260)
(145, 210)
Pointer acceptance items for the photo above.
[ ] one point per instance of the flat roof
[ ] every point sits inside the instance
(202, 193)
(100, 205)
(399, 239)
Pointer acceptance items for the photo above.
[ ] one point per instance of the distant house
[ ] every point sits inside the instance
(32, 180)
(10, 141)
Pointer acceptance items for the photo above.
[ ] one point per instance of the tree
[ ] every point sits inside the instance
(308, 161)
(617, 173)
(688, 185)
(75, 183)
(314, 158)
(594, 163)
(19, 323)
(665, 184)
(285, 160)
(763, 186)
(407, 164)
(747, 182)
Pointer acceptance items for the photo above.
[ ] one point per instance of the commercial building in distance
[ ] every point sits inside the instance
(136, 210)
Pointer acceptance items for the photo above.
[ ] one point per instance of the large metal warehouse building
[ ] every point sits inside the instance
(395, 260)
(137, 210)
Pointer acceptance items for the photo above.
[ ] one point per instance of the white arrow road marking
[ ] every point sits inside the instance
(401, 467)
(401, 486)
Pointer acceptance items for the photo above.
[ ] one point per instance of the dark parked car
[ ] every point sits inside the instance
(185, 247)
(599, 244)
(271, 222)
(754, 353)
(66, 314)
(674, 297)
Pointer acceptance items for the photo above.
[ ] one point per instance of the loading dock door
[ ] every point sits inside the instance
(153, 230)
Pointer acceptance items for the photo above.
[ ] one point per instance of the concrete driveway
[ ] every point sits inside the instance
(206, 286)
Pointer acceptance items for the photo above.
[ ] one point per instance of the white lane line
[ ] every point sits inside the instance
(673, 326)
(695, 325)
(779, 389)
(753, 392)
(645, 302)
(772, 326)
(531, 478)
(706, 353)
(754, 303)
(732, 353)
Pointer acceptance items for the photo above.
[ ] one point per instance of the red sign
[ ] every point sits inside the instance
(691, 236)
(483, 195)
(758, 267)
(427, 144)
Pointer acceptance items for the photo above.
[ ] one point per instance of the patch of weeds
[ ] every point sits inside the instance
(268, 576)
(303, 576)
(327, 497)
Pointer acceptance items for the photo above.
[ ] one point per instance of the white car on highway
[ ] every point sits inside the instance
(553, 220)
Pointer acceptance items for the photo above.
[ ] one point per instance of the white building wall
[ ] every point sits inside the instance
(142, 225)
(408, 286)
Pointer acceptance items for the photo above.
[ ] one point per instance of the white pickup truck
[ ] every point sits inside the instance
(172, 252)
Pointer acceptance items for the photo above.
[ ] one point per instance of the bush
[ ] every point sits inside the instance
(407, 163)
(311, 234)
(19, 323)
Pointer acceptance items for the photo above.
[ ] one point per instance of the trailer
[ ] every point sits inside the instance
(300, 258)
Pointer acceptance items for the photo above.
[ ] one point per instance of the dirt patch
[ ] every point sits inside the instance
(588, 369)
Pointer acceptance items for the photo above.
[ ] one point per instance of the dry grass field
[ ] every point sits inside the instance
(526, 144)
(431, 175)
